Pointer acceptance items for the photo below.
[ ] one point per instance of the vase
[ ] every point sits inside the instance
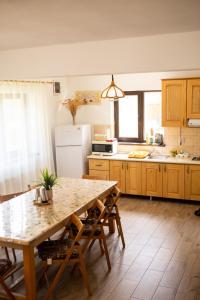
(49, 195)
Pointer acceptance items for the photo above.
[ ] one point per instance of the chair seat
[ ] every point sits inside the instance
(5, 266)
(88, 230)
(56, 249)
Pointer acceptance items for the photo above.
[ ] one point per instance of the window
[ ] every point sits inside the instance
(25, 135)
(136, 114)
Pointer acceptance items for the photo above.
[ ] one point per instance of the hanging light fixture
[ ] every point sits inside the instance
(112, 91)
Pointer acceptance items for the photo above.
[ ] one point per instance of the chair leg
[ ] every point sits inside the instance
(91, 244)
(84, 274)
(101, 247)
(119, 226)
(6, 289)
(56, 279)
(14, 255)
(7, 253)
(111, 225)
(44, 274)
(106, 251)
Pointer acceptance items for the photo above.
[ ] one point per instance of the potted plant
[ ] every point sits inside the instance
(48, 181)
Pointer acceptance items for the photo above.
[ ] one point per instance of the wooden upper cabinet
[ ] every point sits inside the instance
(117, 172)
(173, 181)
(173, 103)
(193, 98)
(152, 179)
(133, 178)
(192, 182)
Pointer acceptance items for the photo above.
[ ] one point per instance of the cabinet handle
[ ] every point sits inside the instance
(122, 166)
(188, 170)
(159, 168)
(165, 168)
(127, 166)
(99, 165)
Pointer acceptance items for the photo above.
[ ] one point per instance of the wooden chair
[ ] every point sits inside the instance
(32, 187)
(112, 212)
(68, 251)
(6, 270)
(94, 229)
(96, 215)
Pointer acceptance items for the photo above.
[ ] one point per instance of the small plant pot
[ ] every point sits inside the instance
(49, 195)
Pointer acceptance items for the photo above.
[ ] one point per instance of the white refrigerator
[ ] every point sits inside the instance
(73, 144)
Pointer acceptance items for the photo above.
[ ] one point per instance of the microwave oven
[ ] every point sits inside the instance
(104, 147)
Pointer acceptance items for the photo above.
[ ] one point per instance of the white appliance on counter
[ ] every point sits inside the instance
(73, 145)
(108, 147)
(194, 122)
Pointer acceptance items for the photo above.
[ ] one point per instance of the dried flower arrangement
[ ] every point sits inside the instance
(73, 104)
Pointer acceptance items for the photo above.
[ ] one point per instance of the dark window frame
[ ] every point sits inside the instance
(140, 138)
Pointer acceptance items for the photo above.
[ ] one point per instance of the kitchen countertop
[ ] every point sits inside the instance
(170, 160)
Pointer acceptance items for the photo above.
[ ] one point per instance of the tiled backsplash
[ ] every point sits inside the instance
(189, 138)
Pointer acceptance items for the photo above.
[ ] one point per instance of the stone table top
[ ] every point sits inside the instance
(22, 222)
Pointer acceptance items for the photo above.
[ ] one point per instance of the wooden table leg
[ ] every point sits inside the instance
(29, 272)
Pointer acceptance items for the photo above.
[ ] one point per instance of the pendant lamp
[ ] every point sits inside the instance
(112, 91)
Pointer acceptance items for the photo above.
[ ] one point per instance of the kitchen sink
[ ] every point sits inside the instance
(158, 157)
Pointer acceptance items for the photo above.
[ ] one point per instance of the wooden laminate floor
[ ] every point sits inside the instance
(161, 260)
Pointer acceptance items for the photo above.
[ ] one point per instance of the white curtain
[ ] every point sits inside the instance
(25, 134)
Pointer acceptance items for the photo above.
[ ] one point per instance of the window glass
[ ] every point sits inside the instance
(128, 117)
(152, 111)
(136, 115)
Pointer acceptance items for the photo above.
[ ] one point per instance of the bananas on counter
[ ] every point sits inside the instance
(138, 154)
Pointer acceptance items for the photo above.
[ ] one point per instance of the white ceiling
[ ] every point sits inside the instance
(31, 23)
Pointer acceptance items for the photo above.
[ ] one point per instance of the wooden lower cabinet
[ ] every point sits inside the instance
(173, 181)
(192, 182)
(104, 175)
(133, 178)
(152, 179)
(167, 180)
(128, 174)
(99, 168)
(118, 173)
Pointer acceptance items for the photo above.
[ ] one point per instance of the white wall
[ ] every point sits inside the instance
(143, 54)
(103, 114)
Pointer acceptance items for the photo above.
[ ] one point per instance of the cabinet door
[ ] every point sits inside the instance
(173, 181)
(173, 103)
(193, 98)
(133, 178)
(192, 182)
(152, 179)
(117, 172)
(104, 175)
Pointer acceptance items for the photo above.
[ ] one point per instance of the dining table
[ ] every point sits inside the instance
(24, 225)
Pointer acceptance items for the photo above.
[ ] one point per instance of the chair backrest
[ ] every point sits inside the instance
(31, 187)
(111, 200)
(75, 221)
(9, 196)
(86, 176)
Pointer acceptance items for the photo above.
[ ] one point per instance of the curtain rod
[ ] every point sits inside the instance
(27, 81)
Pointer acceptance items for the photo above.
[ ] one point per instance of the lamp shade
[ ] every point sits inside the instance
(112, 91)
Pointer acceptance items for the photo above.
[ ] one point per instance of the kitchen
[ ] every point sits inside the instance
(153, 166)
